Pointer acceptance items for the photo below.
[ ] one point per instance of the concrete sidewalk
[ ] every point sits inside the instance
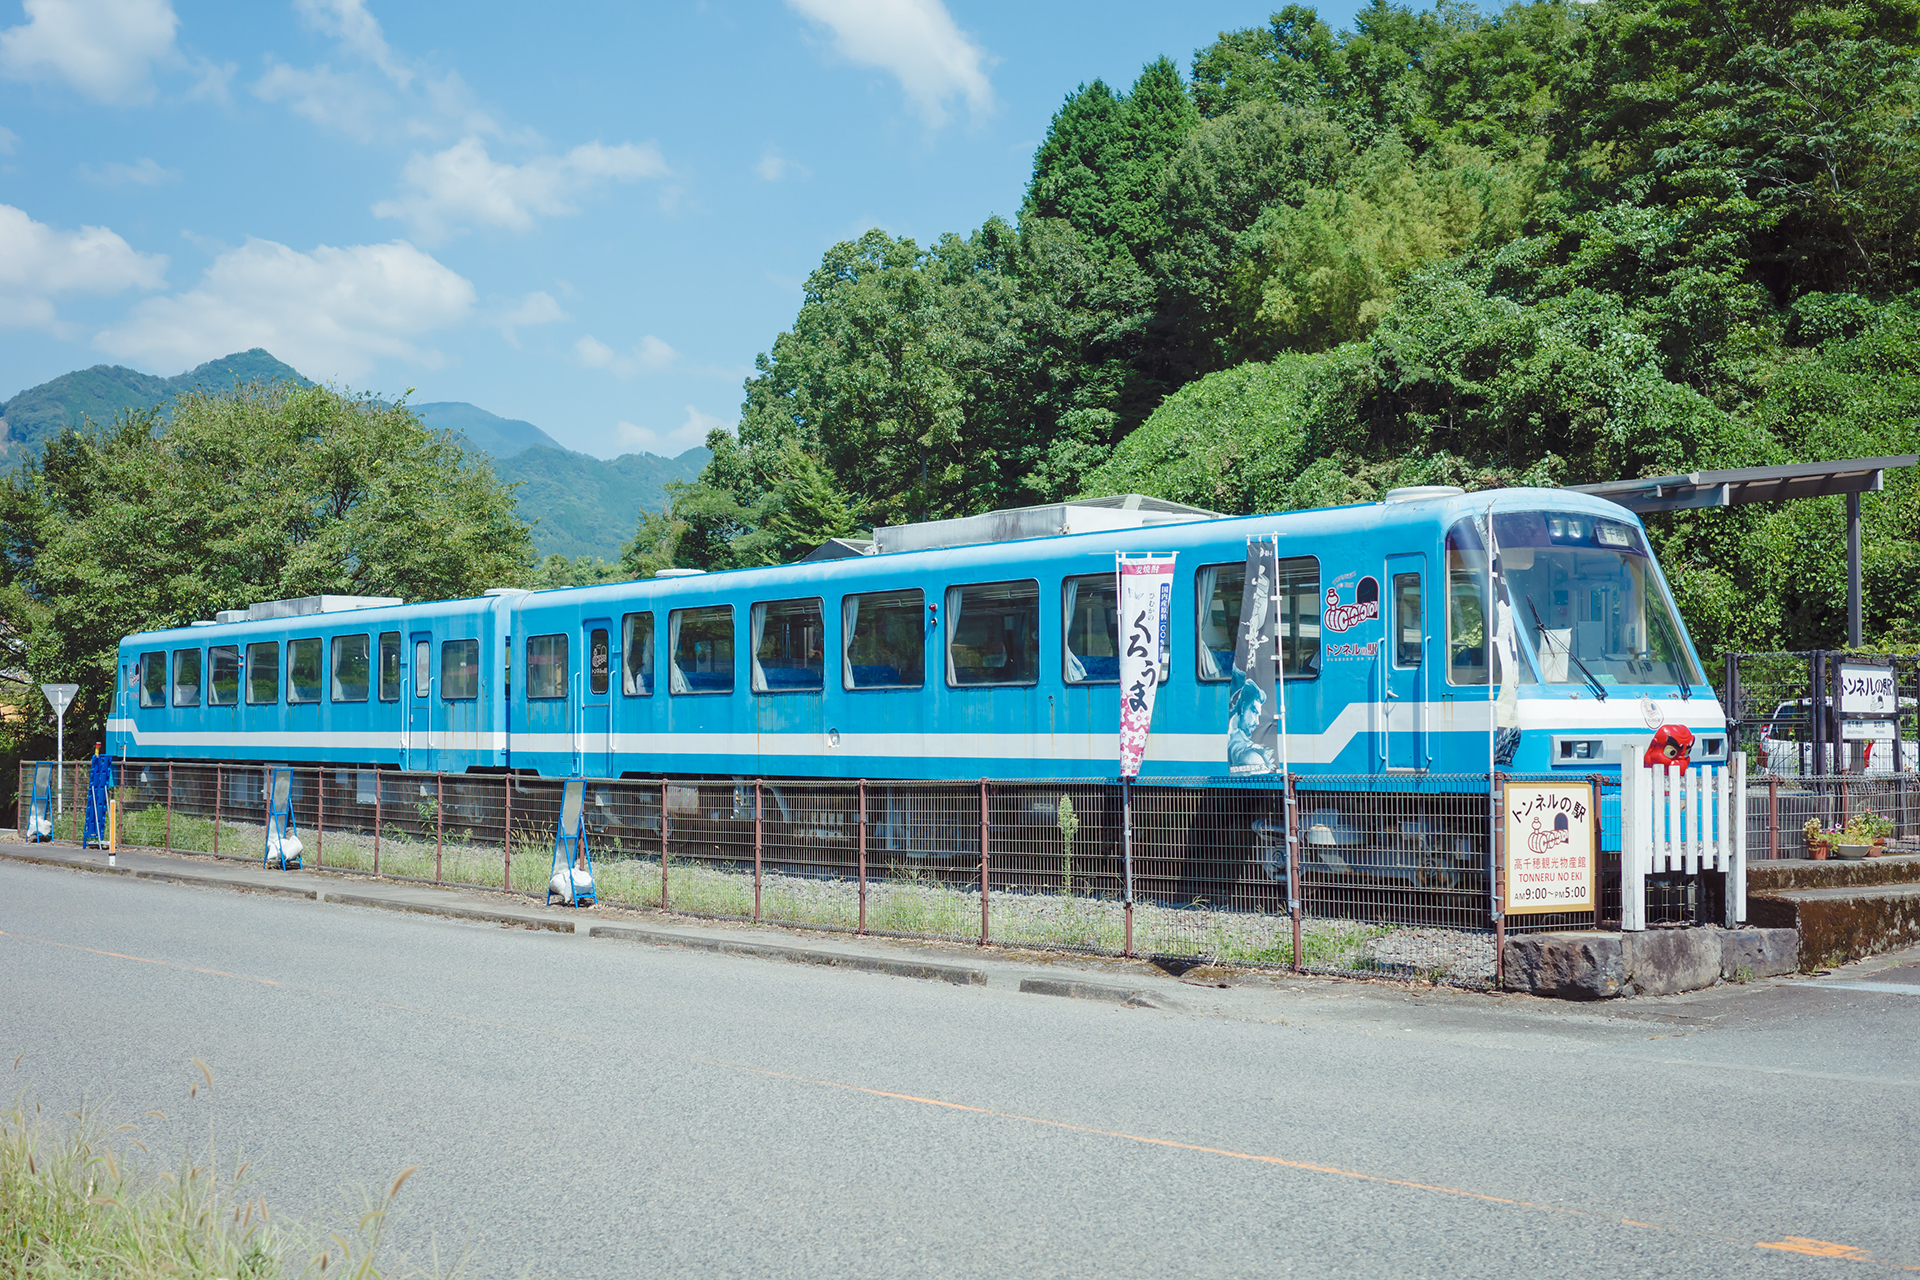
(1114, 979)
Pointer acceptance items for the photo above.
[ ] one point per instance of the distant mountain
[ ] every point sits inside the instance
(39, 413)
(578, 505)
(588, 507)
(487, 432)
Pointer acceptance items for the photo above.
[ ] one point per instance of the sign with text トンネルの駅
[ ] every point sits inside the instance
(1550, 847)
(1865, 690)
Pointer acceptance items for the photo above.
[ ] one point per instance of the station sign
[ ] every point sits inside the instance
(1552, 847)
(1867, 691)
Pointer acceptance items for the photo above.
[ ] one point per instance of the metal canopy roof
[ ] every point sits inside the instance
(1748, 484)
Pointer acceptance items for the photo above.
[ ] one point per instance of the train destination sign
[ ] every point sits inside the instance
(1551, 847)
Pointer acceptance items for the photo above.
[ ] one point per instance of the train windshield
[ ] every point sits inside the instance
(1587, 603)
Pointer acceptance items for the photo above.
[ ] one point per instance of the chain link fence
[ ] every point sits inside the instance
(1394, 873)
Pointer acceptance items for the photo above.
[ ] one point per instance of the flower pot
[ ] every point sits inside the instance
(1817, 850)
(1851, 850)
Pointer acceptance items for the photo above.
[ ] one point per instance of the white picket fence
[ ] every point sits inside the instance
(1685, 820)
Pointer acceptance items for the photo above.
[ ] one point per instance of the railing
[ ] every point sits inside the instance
(1685, 822)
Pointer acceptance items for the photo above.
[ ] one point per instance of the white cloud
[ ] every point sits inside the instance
(103, 48)
(650, 355)
(145, 172)
(9, 141)
(917, 41)
(39, 262)
(536, 308)
(349, 22)
(345, 103)
(773, 167)
(463, 184)
(330, 313)
(692, 430)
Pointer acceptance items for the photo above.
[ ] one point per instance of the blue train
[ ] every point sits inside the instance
(983, 652)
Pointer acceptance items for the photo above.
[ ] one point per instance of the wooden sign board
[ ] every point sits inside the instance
(1552, 847)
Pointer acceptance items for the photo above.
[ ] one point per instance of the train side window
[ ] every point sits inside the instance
(547, 666)
(1466, 606)
(789, 646)
(884, 640)
(700, 649)
(350, 668)
(460, 670)
(1217, 589)
(153, 679)
(636, 654)
(263, 673)
(186, 677)
(303, 670)
(993, 633)
(1091, 650)
(1299, 617)
(223, 675)
(422, 670)
(389, 666)
(1409, 627)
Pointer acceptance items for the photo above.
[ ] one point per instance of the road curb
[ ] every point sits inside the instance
(924, 969)
(1089, 991)
(448, 909)
(218, 882)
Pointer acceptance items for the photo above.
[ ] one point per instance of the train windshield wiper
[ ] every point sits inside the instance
(1540, 627)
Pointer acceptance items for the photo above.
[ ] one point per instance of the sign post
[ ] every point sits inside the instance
(1145, 593)
(1552, 847)
(60, 697)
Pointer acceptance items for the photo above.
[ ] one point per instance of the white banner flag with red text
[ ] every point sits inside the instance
(1146, 605)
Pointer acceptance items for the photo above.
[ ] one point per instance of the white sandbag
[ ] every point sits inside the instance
(569, 883)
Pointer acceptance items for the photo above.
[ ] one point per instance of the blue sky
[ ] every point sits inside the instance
(589, 215)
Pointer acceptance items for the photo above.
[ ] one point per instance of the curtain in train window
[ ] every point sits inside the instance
(459, 670)
(153, 679)
(263, 673)
(789, 646)
(350, 668)
(1091, 607)
(389, 666)
(884, 634)
(636, 653)
(1217, 589)
(223, 675)
(993, 633)
(1299, 617)
(701, 644)
(547, 666)
(303, 670)
(186, 677)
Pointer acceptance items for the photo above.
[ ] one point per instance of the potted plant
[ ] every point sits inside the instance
(1819, 840)
(1867, 833)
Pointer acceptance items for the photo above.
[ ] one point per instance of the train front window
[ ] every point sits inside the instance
(993, 633)
(1585, 598)
(789, 646)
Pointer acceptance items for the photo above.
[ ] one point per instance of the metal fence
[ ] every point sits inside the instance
(1778, 809)
(1395, 875)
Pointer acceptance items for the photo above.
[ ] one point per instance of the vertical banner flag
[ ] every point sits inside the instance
(1253, 707)
(1146, 606)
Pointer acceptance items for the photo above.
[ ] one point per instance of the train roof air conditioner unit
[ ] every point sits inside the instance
(1055, 519)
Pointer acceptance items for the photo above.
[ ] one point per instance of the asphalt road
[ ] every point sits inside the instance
(585, 1107)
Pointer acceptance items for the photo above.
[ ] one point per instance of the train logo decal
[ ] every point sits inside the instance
(1345, 617)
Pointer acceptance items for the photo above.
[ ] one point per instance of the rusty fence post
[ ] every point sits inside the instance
(217, 789)
(863, 856)
(985, 920)
(379, 799)
(756, 851)
(169, 811)
(1773, 817)
(506, 842)
(1295, 898)
(439, 804)
(663, 844)
(319, 817)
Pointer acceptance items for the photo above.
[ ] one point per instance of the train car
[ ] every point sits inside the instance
(975, 656)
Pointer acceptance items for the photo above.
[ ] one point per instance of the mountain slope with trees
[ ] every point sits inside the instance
(1553, 244)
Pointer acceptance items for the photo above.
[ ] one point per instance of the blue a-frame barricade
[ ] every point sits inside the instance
(99, 782)
(40, 814)
(283, 845)
(572, 879)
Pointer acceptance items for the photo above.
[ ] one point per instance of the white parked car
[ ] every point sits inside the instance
(1787, 748)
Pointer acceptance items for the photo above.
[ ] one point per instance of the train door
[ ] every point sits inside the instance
(594, 742)
(1405, 663)
(420, 754)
